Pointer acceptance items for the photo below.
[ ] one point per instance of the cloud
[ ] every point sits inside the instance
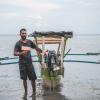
(33, 5)
(33, 9)
(8, 15)
(16, 2)
(80, 15)
(86, 2)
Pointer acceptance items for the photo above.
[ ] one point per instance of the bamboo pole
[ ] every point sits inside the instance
(58, 48)
(43, 50)
(62, 51)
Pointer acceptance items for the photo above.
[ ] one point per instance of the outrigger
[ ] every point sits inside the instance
(52, 60)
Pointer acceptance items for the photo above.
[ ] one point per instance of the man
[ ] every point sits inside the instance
(22, 49)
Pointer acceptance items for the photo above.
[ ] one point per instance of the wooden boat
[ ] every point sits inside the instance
(51, 78)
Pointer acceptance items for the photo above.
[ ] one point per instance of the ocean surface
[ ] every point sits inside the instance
(81, 81)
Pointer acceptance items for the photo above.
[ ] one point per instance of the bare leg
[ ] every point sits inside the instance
(34, 86)
(25, 87)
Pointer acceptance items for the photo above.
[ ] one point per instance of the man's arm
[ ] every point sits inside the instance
(33, 45)
(38, 50)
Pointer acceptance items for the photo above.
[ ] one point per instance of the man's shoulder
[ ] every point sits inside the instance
(29, 40)
(18, 42)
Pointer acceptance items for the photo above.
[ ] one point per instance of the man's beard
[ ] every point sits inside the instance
(23, 37)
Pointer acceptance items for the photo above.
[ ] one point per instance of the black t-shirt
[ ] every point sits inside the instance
(18, 48)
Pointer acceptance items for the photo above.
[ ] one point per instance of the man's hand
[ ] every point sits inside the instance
(39, 50)
(20, 53)
(23, 52)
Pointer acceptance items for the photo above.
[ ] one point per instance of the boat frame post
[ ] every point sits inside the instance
(43, 50)
(62, 51)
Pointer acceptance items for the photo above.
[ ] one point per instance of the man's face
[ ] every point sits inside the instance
(23, 35)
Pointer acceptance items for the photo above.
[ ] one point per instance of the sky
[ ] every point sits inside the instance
(79, 16)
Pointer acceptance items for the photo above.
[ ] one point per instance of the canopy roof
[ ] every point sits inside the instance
(50, 37)
(52, 34)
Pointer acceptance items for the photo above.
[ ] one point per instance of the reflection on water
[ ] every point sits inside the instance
(50, 96)
(47, 94)
(54, 96)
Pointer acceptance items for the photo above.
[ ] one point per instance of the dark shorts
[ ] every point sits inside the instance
(27, 70)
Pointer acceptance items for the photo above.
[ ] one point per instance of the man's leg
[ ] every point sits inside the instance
(25, 87)
(34, 86)
(23, 76)
(32, 77)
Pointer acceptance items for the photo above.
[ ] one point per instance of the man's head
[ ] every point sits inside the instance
(23, 33)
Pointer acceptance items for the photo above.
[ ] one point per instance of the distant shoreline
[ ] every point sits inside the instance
(74, 34)
(86, 34)
(8, 34)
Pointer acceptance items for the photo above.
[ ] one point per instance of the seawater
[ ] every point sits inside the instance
(81, 81)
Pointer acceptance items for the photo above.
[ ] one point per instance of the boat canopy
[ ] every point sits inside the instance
(50, 37)
(52, 34)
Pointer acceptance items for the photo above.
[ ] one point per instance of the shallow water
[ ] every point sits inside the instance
(81, 81)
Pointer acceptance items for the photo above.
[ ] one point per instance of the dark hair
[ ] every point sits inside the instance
(23, 29)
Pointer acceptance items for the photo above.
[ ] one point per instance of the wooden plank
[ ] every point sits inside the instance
(49, 39)
(49, 42)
